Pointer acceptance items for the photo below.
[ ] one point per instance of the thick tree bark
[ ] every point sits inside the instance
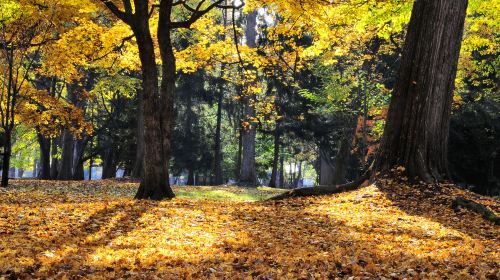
(45, 143)
(342, 159)
(109, 164)
(326, 167)
(158, 107)
(416, 132)
(66, 163)
(248, 172)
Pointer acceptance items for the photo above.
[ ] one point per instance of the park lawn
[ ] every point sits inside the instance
(68, 230)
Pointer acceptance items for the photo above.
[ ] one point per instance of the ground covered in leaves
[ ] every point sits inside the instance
(384, 231)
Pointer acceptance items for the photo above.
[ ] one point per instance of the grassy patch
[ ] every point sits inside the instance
(231, 193)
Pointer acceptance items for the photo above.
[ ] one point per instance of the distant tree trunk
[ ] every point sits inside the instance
(282, 171)
(190, 180)
(79, 148)
(218, 147)
(45, 143)
(341, 160)
(109, 164)
(12, 172)
(416, 131)
(7, 146)
(35, 169)
(326, 167)
(66, 164)
(91, 162)
(54, 165)
(248, 172)
(138, 169)
(276, 155)
(239, 154)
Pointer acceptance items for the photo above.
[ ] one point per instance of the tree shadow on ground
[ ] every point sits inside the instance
(70, 249)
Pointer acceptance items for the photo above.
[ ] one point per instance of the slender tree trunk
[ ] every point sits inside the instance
(7, 146)
(54, 165)
(299, 175)
(20, 172)
(45, 143)
(218, 147)
(276, 156)
(138, 169)
(239, 154)
(416, 131)
(282, 171)
(91, 162)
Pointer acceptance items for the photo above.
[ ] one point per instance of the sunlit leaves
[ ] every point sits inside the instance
(392, 230)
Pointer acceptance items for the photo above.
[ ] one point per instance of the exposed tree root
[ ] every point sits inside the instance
(324, 190)
(489, 215)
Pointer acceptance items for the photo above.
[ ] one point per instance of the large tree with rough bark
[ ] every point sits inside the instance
(417, 125)
(416, 132)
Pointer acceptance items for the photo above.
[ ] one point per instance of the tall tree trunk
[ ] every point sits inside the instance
(54, 165)
(45, 143)
(276, 156)
(109, 164)
(239, 154)
(158, 108)
(281, 182)
(218, 147)
(190, 180)
(326, 167)
(248, 172)
(138, 169)
(416, 131)
(341, 160)
(298, 179)
(79, 148)
(7, 151)
(66, 164)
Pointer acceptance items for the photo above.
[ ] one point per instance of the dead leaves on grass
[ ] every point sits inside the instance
(390, 231)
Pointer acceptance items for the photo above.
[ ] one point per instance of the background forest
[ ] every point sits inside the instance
(267, 93)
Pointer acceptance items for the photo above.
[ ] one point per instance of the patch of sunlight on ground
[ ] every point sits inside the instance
(210, 233)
